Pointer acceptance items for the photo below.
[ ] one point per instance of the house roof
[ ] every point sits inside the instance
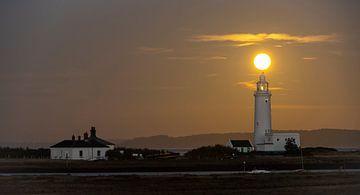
(240, 143)
(100, 140)
(79, 144)
(91, 141)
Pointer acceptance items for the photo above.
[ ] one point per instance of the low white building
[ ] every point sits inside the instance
(88, 148)
(278, 140)
(242, 146)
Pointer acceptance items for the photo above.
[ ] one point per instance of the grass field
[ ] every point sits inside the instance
(338, 182)
(296, 183)
(345, 161)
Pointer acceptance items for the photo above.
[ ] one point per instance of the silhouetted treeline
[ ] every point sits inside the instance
(310, 151)
(213, 152)
(6, 152)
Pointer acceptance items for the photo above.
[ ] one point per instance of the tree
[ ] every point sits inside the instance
(291, 147)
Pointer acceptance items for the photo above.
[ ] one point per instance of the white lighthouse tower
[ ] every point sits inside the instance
(264, 138)
(262, 122)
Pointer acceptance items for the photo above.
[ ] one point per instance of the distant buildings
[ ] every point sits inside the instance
(88, 148)
(242, 146)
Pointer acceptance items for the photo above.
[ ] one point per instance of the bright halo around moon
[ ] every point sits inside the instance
(262, 61)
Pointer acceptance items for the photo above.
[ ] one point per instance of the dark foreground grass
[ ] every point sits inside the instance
(284, 183)
(278, 162)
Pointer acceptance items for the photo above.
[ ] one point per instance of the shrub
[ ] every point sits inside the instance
(6, 152)
(212, 152)
(291, 147)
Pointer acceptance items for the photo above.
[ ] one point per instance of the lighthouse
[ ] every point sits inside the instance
(264, 139)
(262, 116)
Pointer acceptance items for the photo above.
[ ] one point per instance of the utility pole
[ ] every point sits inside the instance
(302, 158)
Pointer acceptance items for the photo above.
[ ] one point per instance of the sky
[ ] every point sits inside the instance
(137, 68)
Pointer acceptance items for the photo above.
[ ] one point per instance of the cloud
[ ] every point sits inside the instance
(294, 107)
(309, 58)
(154, 50)
(247, 39)
(216, 58)
(244, 44)
(252, 85)
(157, 88)
(181, 58)
(338, 53)
(167, 88)
(312, 107)
(196, 58)
(248, 84)
(212, 75)
(276, 88)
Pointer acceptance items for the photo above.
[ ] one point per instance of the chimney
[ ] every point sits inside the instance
(86, 136)
(73, 137)
(79, 137)
(93, 132)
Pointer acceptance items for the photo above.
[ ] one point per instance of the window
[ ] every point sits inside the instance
(98, 152)
(81, 153)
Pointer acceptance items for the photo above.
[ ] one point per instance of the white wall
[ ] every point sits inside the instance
(74, 153)
(279, 140)
(244, 149)
(240, 149)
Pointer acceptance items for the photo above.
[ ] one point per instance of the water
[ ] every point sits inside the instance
(347, 149)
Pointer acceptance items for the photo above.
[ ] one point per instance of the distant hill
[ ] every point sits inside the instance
(309, 138)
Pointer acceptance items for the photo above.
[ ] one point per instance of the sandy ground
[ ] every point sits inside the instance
(284, 183)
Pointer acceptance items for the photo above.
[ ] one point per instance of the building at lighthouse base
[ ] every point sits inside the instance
(275, 142)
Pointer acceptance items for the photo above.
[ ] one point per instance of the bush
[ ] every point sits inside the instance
(291, 147)
(7, 152)
(309, 151)
(212, 152)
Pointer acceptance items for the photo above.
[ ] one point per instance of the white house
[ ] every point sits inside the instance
(89, 148)
(242, 146)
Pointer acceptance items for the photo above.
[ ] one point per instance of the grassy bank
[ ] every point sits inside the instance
(296, 183)
(276, 162)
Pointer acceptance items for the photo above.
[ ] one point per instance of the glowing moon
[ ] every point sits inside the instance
(262, 61)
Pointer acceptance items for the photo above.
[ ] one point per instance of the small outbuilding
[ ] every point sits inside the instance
(89, 148)
(243, 146)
